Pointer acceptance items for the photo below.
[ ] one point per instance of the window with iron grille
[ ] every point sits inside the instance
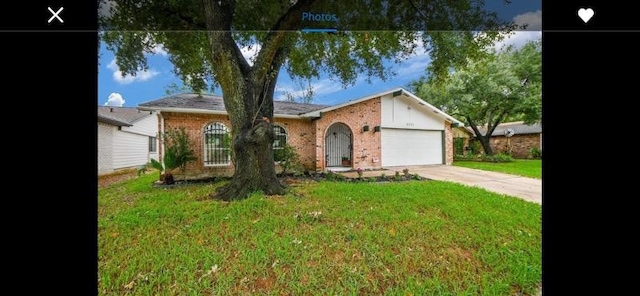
(153, 144)
(279, 142)
(217, 145)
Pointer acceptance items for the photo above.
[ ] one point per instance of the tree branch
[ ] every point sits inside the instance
(274, 43)
(218, 19)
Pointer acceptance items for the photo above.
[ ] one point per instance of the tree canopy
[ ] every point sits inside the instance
(504, 85)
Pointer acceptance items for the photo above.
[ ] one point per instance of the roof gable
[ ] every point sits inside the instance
(395, 93)
(120, 116)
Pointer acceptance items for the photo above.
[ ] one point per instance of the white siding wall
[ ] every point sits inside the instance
(146, 126)
(130, 150)
(131, 144)
(105, 150)
(403, 112)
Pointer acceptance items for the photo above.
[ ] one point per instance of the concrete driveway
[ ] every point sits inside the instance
(529, 189)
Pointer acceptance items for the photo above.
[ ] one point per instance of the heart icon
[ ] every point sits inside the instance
(585, 14)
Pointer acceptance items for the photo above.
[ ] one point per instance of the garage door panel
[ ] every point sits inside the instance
(411, 147)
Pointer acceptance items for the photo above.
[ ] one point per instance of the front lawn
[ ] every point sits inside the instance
(327, 238)
(531, 168)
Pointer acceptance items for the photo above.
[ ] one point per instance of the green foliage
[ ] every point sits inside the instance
(405, 172)
(288, 158)
(499, 157)
(535, 152)
(135, 28)
(178, 152)
(476, 147)
(488, 90)
(332, 176)
(157, 165)
(458, 146)
(397, 176)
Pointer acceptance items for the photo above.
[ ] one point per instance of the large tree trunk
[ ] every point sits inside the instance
(484, 139)
(255, 170)
(486, 145)
(253, 137)
(248, 96)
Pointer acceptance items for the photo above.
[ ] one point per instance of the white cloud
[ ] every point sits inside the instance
(414, 66)
(112, 66)
(517, 39)
(141, 75)
(250, 52)
(159, 49)
(115, 99)
(532, 19)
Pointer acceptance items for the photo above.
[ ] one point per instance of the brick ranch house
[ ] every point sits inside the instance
(391, 128)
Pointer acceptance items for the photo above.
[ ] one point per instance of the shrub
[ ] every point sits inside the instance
(458, 145)
(288, 158)
(535, 152)
(177, 154)
(500, 157)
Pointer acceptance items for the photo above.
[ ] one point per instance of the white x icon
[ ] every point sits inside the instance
(55, 14)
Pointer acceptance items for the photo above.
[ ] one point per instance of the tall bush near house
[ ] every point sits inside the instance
(535, 153)
(458, 146)
(158, 166)
(288, 158)
(178, 152)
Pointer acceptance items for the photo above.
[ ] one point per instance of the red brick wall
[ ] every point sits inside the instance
(194, 125)
(520, 144)
(301, 135)
(366, 145)
(448, 140)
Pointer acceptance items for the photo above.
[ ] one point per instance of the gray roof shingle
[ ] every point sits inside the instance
(518, 127)
(120, 116)
(216, 103)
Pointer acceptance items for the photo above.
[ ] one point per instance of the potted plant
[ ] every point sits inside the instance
(346, 161)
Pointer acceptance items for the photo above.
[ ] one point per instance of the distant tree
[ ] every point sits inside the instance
(205, 39)
(488, 90)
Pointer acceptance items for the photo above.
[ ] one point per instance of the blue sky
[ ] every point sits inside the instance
(129, 91)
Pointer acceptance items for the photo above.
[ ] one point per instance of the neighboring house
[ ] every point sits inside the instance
(461, 139)
(515, 138)
(391, 128)
(127, 138)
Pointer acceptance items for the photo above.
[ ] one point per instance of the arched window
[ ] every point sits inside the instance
(217, 145)
(279, 142)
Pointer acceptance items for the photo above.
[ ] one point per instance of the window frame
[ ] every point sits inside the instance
(208, 158)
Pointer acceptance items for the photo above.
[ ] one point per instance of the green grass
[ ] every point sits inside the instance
(531, 168)
(417, 237)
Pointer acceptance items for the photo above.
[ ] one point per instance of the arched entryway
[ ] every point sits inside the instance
(338, 145)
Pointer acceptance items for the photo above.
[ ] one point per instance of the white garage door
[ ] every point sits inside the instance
(411, 147)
